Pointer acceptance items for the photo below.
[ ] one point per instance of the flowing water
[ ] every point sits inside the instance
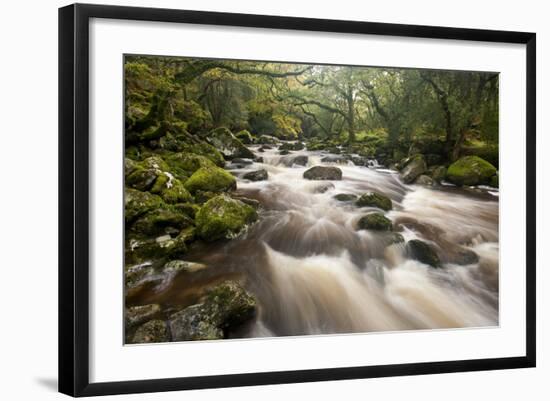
(314, 273)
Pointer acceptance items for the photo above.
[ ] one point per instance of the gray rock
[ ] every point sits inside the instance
(424, 180)
(414, 167)
(323, 173)
(154, 331)
(258, 175)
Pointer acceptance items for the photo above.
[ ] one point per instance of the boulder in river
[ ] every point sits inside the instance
(374, 199)
(223, 309)
(223, 217)
(284, 152)
(323, 173)
(413, 168)
(335, 159)
(374, 221)
(291, 146)
(300, 160)
(228, 144)
(471, 170)
(213, 179)
(258, 175)
(423, 252)
(424, 180)
(154, 331)
(345, 197)
(240, 160)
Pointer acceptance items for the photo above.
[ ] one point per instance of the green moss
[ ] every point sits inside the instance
(137, 203)
(345, 197)
(223, 217)
(160, 184)
(183, 165)
(374, 221)
(374, 199)
(245, 137)
(470, 170)
(212, 179)
(157, 221)
(175, 192)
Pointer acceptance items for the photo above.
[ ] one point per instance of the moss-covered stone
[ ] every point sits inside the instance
(154, 331)
(374, 221)
(374, 199)
(229, 146)
(323, 173)
(223, 309)
(159, 220)
(223, 217)
(175, 192)
(345, 197)
(470, 170)
(424, 253)
(137, 203)
(141, 249)
(212, 179)
(183, 165)
(141, 179)
(245, 137)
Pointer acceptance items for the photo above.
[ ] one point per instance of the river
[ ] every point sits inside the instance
(314, 273)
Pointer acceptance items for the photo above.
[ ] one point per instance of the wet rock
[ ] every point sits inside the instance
(413, 168)
(345, 197)
(258, 175)
(161, 219)
(374, 199)
(471, 170)
(154, 331)
(259, 159)
(374, 221)
(267, 139)
(323, 173)
(183, 265)
(134, 274)
(223, 309)
(424, 180)
(300, 160)
(292, 146)
(239, 160)
(264, 148)
(321, 189)
(137, 315)
(284, 152)
(223, 217)
(230, 147)
(213, 179)
(251, 202)
(183, 165)
(423, 252)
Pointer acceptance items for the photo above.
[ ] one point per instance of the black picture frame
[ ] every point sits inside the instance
(74, 198)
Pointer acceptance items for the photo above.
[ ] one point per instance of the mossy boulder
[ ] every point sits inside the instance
(223, 217)
(258, 175)
(470, 170)
(140, 249)
(245, 137)
(374, 221)
(374, 199)
(345, 197)
(323, 173)
(162, 220)
(267, 140)
(183, 165)
(210, 179)
(413, 168)
(137, 203)
(229, 146)
(423, 252)
(222, 310)
(154, 331)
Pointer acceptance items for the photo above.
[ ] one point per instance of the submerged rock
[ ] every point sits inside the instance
(258, 175)
(223, 217)
(471, 170)
(345, 197)
(413, 168)
(213, 179)
(423, 252)
(154, 331)
(374, 199)
(223, 309)
(323, 173)
(374, 221)
(228, 144)
(321, 189)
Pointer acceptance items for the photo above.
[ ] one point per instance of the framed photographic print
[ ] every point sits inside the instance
(249, 199)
